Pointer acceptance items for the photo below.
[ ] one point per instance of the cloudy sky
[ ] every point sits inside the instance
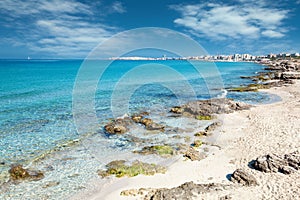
(72, 28)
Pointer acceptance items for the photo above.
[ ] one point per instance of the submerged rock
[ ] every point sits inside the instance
(155, 126)
(162, 150)
(242, 177)
(177, 110)
(118, 126)
(151, 125)
(122, 125)
(120, 169)
(146, 121)
(17, 172)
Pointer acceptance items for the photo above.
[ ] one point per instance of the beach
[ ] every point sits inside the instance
(199, 141)
(244, 136)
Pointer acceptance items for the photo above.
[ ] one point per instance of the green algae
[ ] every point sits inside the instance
(120, 169)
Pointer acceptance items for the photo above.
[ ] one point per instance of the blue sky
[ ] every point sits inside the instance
(72, 28)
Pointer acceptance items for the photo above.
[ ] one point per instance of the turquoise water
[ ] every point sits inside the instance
(36, 98)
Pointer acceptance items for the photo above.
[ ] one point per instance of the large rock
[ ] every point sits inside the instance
(118, 126)
(186, 191)
(17, 172)
(114, 129)
(209, 107)
(286, 164)
(242, 177)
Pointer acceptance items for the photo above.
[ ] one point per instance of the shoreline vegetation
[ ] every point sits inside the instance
(196, 148)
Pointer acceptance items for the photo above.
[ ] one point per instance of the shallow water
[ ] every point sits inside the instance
(37, 118)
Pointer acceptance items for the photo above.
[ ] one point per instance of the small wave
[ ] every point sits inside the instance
(223, 94)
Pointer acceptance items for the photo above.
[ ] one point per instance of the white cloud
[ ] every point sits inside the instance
(272, 34)
(56, 27)
(118, 7)
(18, 8)
(220, 21)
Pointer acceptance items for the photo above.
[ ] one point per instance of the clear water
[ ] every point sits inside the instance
(36, 103)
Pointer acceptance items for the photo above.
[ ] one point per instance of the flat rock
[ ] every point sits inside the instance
(186, 191)
(209, 107)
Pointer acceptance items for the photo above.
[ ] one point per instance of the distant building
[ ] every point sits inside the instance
(271, 56)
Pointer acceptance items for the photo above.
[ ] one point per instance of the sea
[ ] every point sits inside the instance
(52, 113)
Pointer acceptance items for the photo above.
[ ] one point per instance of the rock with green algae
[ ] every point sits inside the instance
(243, 89)
(17, 173)
(204, 117)
(197, 143)
(162, 150)
(120, 169)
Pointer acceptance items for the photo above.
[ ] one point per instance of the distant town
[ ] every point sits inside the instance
(221, 58)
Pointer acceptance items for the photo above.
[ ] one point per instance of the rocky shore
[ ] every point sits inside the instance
(258, 157)
(255, 156)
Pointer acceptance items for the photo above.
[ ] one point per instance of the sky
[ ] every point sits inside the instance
(73, 28)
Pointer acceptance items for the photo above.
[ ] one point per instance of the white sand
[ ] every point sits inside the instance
(245, 135)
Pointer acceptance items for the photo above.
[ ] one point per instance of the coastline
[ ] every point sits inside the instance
(245, 135)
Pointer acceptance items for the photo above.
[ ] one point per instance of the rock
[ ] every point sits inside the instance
(225, 197)
(17, 172)
(118, 126)
(121, 125)
(244, 178)
(120, 169)
(290, 75)
(131, 192)
(239, 105)
(115, 129)
(293, 159)
(197, 143)
(186, 191)
(50, 184)
(269, 163)
(119, 129)
(193, 154)
(177, 110)
(155, 126)
(286, 164)
(209, 107)
(212, 127)
(146, 121)
(162, 150)
(137, 119)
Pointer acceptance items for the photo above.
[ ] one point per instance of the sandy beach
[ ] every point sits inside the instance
(244, 136)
